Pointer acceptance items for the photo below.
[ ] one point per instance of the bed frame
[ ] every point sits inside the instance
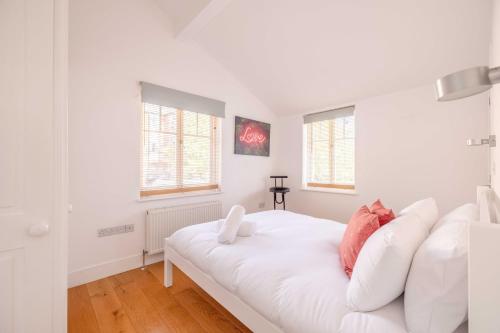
(484, 275)
(247, 315)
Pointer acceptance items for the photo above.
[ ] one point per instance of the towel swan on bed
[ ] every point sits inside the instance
(233, 225)
(246, 229)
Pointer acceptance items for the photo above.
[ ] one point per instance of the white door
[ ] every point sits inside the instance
(32, 165)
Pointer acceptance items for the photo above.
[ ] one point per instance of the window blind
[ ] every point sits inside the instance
(330, 149)
(329, 114)
(181, 150)
(158, 95)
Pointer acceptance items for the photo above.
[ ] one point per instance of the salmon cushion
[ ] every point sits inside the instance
(361, 225)
(385, 215)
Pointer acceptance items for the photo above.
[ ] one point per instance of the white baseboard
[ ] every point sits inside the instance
(108, 268)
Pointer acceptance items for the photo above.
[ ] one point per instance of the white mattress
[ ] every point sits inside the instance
(288, 271)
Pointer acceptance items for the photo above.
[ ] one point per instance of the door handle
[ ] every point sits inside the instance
(38, 229)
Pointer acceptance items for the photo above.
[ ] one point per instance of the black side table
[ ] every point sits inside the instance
(279, 189)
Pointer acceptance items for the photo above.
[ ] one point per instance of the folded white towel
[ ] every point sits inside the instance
(246, 229)
(229, 229)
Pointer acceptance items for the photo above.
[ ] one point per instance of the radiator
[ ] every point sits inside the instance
(163, 222)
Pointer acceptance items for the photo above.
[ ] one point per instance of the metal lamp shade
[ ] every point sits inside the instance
(462, 84)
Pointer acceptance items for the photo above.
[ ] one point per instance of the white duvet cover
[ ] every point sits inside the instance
(288, 270)
(388, 319)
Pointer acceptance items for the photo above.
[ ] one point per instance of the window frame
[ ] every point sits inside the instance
(325, 187)
(215, 161)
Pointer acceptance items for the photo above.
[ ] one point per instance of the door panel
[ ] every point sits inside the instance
(12, 37)
(26, 165)
(11, 263)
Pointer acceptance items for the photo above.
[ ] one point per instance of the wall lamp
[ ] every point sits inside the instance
(466, 83)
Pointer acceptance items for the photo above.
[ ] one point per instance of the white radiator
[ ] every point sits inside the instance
(163, 222)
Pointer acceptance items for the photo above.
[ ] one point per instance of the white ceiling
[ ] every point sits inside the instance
(181, 12)
(304, 55)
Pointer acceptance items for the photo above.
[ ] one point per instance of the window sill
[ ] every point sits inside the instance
(329, 190)
(179, 195)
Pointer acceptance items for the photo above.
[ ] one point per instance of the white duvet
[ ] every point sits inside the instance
(288, 270)
(388, 319)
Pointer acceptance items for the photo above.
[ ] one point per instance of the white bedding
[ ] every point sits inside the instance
(388, 319)
(288, 270)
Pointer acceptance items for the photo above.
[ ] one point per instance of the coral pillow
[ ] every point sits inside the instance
(385, 215)
(362, 224)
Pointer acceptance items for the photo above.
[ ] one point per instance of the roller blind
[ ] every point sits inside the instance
(330, 149)
(158, 95)
(181, 150)
(329, 114)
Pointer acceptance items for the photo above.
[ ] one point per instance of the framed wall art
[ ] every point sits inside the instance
(251, 137)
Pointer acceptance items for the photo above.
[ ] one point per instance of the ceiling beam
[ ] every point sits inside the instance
(201, 20)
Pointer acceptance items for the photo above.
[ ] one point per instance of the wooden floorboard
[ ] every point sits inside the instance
(176, 317)
(182, 282)
(208, 316)
(81, 315)
(143, 315)
(137, 301)
(108, 308)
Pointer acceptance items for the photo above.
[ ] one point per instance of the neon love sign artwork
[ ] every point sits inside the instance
(251, 137)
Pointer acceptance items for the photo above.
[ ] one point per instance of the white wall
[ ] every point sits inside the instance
(484, 290)
(495, 95)
(408, 146)
(113, 45)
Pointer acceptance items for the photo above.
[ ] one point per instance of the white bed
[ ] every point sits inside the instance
(286, 277)
(288, 271)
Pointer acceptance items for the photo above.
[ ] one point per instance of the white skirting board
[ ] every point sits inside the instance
(108, 268)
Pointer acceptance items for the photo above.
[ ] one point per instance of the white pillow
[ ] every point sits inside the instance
(387, 319)
(467, 212)
(436, 291)
(382, 266)
(425, 209)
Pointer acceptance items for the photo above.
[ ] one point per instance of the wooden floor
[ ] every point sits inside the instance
(136, 301)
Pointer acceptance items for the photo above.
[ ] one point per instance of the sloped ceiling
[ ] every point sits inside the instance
(304, 55)
(181, 13)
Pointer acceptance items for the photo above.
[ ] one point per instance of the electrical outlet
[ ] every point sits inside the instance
(262, 204)
(115, 230)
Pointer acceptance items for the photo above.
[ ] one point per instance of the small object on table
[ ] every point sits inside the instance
(279, 189)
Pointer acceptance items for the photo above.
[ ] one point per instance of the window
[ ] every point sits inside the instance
(329, 149)
(180, 150)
